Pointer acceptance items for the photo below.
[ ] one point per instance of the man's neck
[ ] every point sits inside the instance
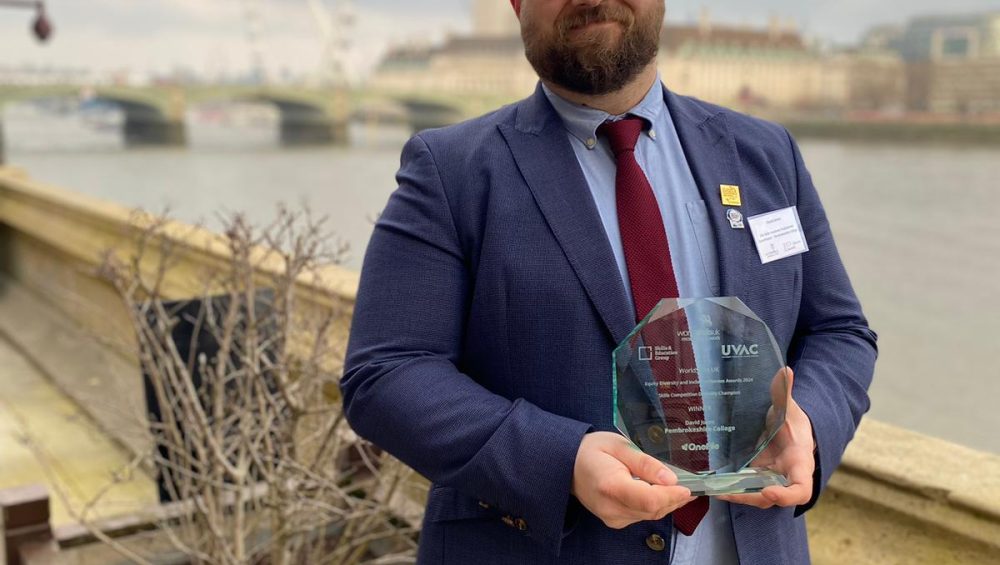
(616, 102)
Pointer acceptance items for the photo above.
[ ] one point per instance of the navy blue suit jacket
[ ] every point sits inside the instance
(490, 302)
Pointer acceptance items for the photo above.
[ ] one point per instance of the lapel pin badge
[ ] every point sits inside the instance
(735, 218)
(730, 195)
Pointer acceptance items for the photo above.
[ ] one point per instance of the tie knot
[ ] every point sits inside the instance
(622, 134)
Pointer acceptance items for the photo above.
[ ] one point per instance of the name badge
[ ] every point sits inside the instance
(778, 234)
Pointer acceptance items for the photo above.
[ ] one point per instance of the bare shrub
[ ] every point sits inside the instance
(250, 441)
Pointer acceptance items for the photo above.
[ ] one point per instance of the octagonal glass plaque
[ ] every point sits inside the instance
(701, 385)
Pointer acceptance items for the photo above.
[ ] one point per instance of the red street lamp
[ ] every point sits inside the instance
(41, 27)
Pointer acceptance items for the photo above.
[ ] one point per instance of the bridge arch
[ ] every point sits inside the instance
(148, 123)
(306, 116)
(153, 116)
(303, 123)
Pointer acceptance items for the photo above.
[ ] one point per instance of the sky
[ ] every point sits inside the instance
(210, 36)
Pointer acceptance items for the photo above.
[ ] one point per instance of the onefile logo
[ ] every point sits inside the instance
(700, 447)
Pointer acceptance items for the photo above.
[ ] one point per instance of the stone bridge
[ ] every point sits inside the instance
(155, 115)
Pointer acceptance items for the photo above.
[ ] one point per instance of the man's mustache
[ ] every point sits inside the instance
(604, 12)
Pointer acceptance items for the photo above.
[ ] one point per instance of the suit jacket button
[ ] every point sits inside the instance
(521, 524)
(508, 520)
(656, 543)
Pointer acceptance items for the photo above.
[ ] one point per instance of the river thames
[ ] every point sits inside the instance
(918, 227)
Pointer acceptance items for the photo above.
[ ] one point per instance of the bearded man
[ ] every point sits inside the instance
(522, 246)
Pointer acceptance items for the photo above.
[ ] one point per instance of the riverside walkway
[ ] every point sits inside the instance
(46, 438)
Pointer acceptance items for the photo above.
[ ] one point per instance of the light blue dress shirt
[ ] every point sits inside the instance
(692, 245)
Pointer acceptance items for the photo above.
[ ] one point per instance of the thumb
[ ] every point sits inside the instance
(644, 466)
(781, 387)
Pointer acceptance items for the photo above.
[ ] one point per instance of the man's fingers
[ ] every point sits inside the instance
(644, 466)
(649, 502)
(792, 495)
(755, 499)
(654, 495)
(799, 491)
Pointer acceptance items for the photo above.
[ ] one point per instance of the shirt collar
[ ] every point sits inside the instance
(582, 121)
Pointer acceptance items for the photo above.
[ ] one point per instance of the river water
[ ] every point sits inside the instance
(917, 226)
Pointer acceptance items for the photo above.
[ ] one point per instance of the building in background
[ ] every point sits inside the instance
(876, 81)
(938, 38)
(489, 66)
(876, 73)
(490, 62)
(951, 63)
(751, 68)
(948, 65)
(740, 66)
(491, 18)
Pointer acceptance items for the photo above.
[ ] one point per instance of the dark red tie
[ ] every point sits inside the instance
(650, 271)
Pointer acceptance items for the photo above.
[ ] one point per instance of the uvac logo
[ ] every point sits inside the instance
(741, 350)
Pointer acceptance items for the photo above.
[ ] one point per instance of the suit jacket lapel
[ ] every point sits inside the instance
(711, 153)
(545, 157)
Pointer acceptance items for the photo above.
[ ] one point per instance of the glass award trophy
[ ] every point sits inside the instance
(701, 385)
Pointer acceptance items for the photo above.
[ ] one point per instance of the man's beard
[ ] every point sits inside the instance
(594, 65)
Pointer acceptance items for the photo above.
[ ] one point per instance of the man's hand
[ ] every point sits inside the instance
(603, 482)
(789, 453)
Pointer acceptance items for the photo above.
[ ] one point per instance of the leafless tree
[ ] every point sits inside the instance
(250, 441)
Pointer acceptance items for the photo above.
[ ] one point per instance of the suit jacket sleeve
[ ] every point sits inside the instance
(403, 388)
(833, 350)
